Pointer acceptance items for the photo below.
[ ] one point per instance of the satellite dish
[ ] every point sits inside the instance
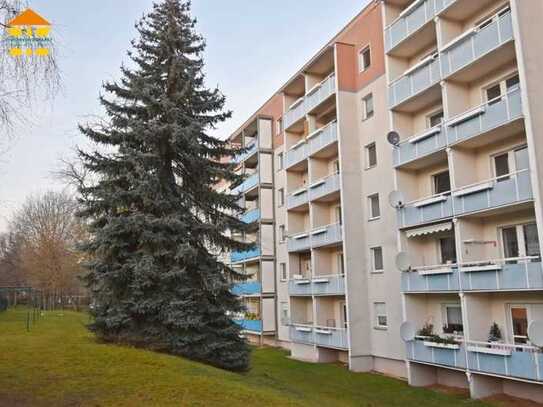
(535, 333)
(396, 199)
(403, 263)
(407, 331)
(393, 138)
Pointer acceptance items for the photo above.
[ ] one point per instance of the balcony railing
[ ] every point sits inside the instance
(446, 355)
(474, 122)
(247, 288)
(425, 210)
(248, 184)
(251, 216)
(297, 198)
(472, 45)
(517, 273)
(236, 257)
(415, 80)
(298, 242)
(242, 157)
(313, 98)
(318, 285)
(314, 142)
(318, 335)
(518, 361)
(443, 277)
(324, 186)
(493, 193)
(253, 325)
(326, 235)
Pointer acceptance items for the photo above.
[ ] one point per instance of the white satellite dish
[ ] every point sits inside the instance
(407, 331)
(396, 199)
(403, 262)
(535, 333)
(393, 138)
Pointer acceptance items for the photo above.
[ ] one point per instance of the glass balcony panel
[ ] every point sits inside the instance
(327, 235)
(247, 288)
(419, 352)
(253, 325)
(510, 274)
(412, 214)
(251, 216)
(324, 187)
(296, 154)
(413, 281)
(318, 285)
(331, 337)
(298, 243)
(414, 82)
(244, 255)
(327, 136)
(409, 150)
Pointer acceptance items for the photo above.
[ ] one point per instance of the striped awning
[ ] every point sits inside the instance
(427, 230)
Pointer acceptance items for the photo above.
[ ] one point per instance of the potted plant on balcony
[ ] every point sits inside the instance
(495, 333)
(453, 329)
(430, 339)
(427, 331)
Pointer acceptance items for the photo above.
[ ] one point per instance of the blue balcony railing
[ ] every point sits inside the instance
(298, 242)
(242, 157)
(324, 186)
(424, 351)
(253, 325)
(248, 184)
(247, 288)
(318, 285)
(428, 279)
(251, 216)
(236, 257)
(315, 142)
(323, 236)
(318, 335)
(474, 44)
(297, 198)
(425, 210)
(516, 361)
(410, 20)
(501, 191)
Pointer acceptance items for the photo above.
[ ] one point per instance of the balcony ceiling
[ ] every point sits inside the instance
(420, 40)
(464, 9)
(323, 65)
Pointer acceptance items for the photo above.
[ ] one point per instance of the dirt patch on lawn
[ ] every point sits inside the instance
(11, 401)
(508, 401)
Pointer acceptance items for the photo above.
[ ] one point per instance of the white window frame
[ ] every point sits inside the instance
(374, 269)
(281, 197)
(519, 228)
(282, 234)
(377, 315)
(370, 207)
(361, 65)
(432, 114)
(444, 306)
(280, 160)
(340, 263)
(368, 115)
(367, 148)
(283, 275)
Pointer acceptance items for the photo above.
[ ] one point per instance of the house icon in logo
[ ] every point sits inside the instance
(28, 34)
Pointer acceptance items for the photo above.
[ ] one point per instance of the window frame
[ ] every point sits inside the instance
(361, 59)
(283, 274)
(373, 251)
(434, 185)
(368, 148)
(368, 114)
(371, 215)
(380, 313)
(280, 160)
(281, 197)
(282, 234)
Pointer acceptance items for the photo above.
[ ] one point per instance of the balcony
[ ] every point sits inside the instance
(299, 242)
(236, 257)
(321, 336)
(475, 44)
(485, 118)
(253, 325)
(297, 198)
(439, 278)
(324, 187)
(425, 210)
(297, 153)
(476, 125)
(247, 288)
(515, 361)
(423, 351)
(318, 285)
(494, 193)
(503, 274)
(312, 99)
(326, 235)
(251, 216)
(416, 80)
(248, 184)
(322, 138)
(242, 157)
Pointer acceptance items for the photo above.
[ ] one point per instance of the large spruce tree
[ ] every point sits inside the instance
(155, 215)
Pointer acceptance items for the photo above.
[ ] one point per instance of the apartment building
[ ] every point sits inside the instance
(393, 191)
(463, 97)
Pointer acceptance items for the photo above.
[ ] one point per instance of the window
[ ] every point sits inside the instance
(283, 271)
(279, 127)
(281, 196)
(335, 166)
(337, 214)
(305, 266)
(284, 313)
(521, 159)
(375, 211)
(531, 240)
(512, 82)
(501, 166)
(435, 118)
(493, 93)
(442, 182)
(368, 106)
(453, 319)
(340, 264)
(282, 233)
(520, 241)
(510, 242)
(519, 323)
(279, 161)
(447, 250)
(377, 258)
(344, 314)
(364, 59)
(380, 310)
(371, 155)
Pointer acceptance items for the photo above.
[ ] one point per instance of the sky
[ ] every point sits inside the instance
(253, 47)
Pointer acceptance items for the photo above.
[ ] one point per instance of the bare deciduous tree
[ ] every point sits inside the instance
(48, 232)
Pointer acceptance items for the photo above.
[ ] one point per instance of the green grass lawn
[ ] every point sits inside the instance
(59, 363)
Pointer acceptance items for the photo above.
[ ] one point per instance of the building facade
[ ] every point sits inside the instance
(393, 191)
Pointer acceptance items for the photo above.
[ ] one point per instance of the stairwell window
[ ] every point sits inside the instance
(364, 59)
(280, 161)
(284, 313)
(380, 311)
(282, 233)
(377, 259)
(367, 102)
(281, 196)
(374, 209)
(283, 271)
(371, 155)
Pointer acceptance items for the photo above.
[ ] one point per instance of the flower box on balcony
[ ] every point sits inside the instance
(323, 331)
(303, 329)
(437, 270)
(490, 351)
(430, 344)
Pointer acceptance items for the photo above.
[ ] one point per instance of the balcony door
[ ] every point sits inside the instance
(519, 318)
(520, 241)
(305, 266)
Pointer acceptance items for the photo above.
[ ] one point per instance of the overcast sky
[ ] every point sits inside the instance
(253, 46)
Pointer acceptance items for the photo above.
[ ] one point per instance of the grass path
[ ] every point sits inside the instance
(59, 363)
